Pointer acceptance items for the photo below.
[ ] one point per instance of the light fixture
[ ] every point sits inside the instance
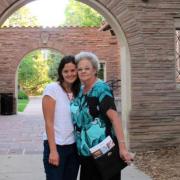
(44, 37)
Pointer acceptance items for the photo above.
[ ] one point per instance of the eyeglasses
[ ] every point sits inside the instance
(84, 69)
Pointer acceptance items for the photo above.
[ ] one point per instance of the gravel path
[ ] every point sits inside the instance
(160, 164)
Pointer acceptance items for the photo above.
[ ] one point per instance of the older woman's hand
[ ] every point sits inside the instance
(127, 156)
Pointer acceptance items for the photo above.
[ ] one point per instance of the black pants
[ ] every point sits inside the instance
(69, 163)
(90, 172)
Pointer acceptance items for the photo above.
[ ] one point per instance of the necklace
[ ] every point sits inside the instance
(70, 96)
(68, 92)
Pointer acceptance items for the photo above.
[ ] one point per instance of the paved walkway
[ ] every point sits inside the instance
(22, 133)
(21, 146)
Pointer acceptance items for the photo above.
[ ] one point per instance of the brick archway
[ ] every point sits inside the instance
(128, 24)
(150, 100)
(124, 51)
(18, 42)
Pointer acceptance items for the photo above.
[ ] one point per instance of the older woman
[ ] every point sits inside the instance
(94, 104)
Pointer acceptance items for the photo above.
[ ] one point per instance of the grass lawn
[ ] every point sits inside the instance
(22, 104)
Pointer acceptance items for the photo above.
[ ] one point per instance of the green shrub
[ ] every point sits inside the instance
(22, 95)
(22, 103)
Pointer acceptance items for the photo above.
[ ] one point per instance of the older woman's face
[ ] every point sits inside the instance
(86, 71)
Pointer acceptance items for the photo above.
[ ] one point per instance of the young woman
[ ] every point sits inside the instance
(94, 102)
(60, 155)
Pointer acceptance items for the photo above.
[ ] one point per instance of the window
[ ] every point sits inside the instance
(177, 55)
(102, 71)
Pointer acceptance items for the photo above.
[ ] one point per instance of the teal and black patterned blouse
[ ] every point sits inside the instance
(89, 116)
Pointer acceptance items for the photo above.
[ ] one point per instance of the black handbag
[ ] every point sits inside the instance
(110, 163)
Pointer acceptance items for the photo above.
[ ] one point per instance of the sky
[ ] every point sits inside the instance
(49, 12)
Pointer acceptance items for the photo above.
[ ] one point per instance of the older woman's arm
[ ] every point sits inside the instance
(117, 125)
(48, 106)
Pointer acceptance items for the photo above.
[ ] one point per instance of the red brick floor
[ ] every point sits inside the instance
(22, 133)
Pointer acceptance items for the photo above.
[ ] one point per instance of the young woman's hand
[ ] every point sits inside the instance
(54, 158)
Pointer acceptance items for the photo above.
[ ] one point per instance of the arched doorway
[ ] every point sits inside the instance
(35, 70)
(122, 24)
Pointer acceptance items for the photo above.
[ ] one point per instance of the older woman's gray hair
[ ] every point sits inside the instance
(89, 56)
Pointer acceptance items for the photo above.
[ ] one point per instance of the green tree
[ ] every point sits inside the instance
(26, 70)
(21, 17)
(79, 14)
(33, 73)
(53, 63)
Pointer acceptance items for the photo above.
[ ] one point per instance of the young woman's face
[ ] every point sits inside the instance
(69, 73)
(86, 71)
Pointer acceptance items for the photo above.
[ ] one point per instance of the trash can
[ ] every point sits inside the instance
(6, 103)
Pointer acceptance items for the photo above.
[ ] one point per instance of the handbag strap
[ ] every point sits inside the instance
(108, 126)
(106, 120)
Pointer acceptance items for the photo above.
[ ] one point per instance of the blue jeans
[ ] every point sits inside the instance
(69, 163)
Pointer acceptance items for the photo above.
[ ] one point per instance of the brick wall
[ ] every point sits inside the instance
(15, 43)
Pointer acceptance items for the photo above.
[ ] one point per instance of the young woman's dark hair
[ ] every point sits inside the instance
(65, 60)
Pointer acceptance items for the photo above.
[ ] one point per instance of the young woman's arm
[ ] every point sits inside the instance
(48, 106)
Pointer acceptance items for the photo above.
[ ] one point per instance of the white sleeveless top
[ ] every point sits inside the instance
(64, 131)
